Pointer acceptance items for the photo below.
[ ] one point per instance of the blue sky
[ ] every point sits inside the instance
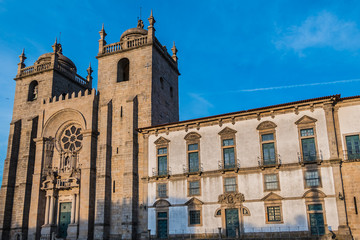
(233, 55)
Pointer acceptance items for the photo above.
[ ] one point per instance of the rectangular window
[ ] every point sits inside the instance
(271, 182)
(194, 188)
(308, 144)
(230, 184)
(312, 178)
(268, 149)
(194, 217)
(229, 153)
(162, 161)
(193, 156)
(274, 214)
(353, 148)
(162, 190)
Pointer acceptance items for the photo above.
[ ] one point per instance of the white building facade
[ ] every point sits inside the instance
(260, 172)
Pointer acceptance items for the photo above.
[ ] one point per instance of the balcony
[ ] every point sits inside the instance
(271, 161)
(352, 156)
(229, 166)
(163, 173)
(311, 157)
(193, 170)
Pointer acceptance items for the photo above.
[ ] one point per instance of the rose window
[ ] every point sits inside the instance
(71, 139)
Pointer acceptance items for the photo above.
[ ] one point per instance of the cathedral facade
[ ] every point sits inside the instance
(116, 163)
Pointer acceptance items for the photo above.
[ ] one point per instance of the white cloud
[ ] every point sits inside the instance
(323, 30)
(198, 106)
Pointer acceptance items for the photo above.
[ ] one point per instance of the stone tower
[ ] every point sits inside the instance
(22, 203)
(138, 85)
(74, 166)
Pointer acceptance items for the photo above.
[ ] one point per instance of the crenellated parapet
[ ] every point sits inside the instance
(81, 96)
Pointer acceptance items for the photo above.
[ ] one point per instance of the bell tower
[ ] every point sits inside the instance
(138, 87)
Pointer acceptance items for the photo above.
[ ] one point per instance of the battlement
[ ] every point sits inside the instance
(81, 95)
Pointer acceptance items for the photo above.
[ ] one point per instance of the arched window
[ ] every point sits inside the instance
(123, 70)
(33, 91)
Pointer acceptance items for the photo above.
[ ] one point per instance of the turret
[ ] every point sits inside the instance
(151, 29)
(21, 64)
(102, 41)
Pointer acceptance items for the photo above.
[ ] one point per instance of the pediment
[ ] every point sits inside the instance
(192, 136)
(194, 201)
(266, 125)
(305, 120)
(314, 193)
(272, 197)
(162, 141)
(161, 203)
(227, 131)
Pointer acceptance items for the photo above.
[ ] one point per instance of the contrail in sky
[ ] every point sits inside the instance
(297, 85)
(282, 87)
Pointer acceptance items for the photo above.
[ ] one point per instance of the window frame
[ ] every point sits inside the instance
(195, 207)
(273, 204)
(189, 192)
(265, 132)
(226, 134)
(346, 147)
(224, 184)
(303, 123)
(306, 186)
(194, 210)
(162, 143)
(192, 138)
(278, 182)
(157, 190)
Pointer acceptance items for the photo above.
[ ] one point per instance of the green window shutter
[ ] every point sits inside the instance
(269, 153)
(309, 149)
(229, 158)
(194, 162)
(162, 165)
(353, 148)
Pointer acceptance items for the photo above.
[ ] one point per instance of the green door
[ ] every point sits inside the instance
(232, 222)
(162, 225)
(317, 226)
(353, 148)
(308, 148)
(65, 215)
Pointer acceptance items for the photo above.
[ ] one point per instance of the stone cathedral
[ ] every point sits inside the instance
(116, 163)
(72, 164)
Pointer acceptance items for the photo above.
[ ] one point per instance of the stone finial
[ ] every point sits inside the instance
(174, 51)
(151, 19)
(151, 29)
(89, 77)
(102, 41)
(21, 64)
(57, 47)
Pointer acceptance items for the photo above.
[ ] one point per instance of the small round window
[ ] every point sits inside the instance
(71, 139)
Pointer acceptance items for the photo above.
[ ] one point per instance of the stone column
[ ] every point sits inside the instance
(47, 210)
(51, 217)
(77, 208)
(73, 209)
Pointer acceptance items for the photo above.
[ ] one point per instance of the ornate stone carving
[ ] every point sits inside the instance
(305, 120)
(266, 125)
(192, 136)
(227, 131)
(162, 141)
(231, 198)
(71, 139)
